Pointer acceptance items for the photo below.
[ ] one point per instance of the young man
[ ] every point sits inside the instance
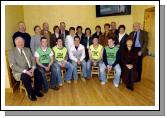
(69, 41)
(77, 56)
(61, 62)
(111, 58)
(95, 55)
(44, 60)
(23, 68)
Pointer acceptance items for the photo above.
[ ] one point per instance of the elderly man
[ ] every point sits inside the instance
(22, 33)
(140, 42)
(63, 30)
(45, 32)
(23, 67)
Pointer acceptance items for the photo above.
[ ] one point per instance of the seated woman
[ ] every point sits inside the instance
(129, 64)
(60, 53)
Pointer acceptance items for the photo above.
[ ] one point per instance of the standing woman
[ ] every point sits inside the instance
(129, 64)
(54, 36)
(87, 41)
(35, 39)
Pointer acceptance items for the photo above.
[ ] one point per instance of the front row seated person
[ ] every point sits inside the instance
(95, 55)
(111, 58)
(77, 57)
(44, 60)
(60, 53)
(23, 68)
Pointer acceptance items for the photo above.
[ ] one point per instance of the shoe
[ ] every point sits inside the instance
(55, 88)
(32, 97)
(103, 83)
(131, 88)
(45, 91)
(60, 84)
(137, 80)
(75, 81)
(39, 94)
(116, 85)
(83, 79)
(68, 81)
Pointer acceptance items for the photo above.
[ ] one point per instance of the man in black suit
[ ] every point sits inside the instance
(63, 31)
(80, 33)
(140, 42)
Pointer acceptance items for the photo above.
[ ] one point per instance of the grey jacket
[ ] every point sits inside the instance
(17, 63)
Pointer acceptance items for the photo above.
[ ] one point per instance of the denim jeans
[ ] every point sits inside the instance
(84, 72)
(53, 78)
(117, 69)
(69, 70)
(98, 64)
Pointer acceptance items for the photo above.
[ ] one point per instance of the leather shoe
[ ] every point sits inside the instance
(32, 97)
(39, 94)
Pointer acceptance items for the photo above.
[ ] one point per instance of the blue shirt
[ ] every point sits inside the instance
(137, 42)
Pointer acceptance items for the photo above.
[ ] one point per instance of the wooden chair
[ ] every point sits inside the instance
(110, 74)
(95, 71)
(79, 71)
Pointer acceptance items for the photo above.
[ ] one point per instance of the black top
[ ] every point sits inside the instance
(25, 36)
(95, 34)
(122, 43)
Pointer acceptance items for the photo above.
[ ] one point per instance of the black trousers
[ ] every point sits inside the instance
(139, 65)
(130, 79)
(26, 80)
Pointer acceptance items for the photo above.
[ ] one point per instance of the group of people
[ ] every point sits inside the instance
(114, 49)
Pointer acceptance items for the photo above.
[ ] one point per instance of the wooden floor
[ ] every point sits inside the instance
(90, 93)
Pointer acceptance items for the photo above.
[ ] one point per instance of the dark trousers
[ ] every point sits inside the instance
(139, 65)
(26, 80)
(129, 78)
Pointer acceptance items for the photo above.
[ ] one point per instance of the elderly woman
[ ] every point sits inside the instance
(129, 64)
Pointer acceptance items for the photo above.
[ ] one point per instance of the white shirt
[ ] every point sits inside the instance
(120, 36)
(37, 55)
(69, 42)
(78, 54)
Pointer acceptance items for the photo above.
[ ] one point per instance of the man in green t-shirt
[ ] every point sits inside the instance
(111, 57)
(60, 53)
(44, 60)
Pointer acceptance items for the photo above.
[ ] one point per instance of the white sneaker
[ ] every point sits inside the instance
(68, 81)
(102, 83)
(116, 85)
(60, 84)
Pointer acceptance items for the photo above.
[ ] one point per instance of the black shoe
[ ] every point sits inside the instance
(55, 88)
(45, 91)
(138, 80)
(32, 97)
(131, 89)
(39, 94)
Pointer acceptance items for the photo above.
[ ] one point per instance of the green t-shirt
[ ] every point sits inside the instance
(111, 54)
(60, 53)
(44, 56)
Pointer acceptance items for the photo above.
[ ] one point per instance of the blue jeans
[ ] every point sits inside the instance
(69, 70)
(117, 69)
(75, 65)
(53, 78)
(98, 64)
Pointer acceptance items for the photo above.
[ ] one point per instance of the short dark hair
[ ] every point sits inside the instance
(112, 38)
(59, 38)
(76, 37)
(79, 27)
(72, 28)
(55, 27)
(36, 26)
(121, 26)
(98, 26)
(43, 38)
(95, 37)
(88, 29)
(129, 38)
(107, 24)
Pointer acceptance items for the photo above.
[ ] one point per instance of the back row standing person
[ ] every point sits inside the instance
(45, 32)
(98, 31)
(22, 33)
(63, 32)
(80, 33)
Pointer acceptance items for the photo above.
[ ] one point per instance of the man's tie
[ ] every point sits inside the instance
(134, 38)
(25, 58)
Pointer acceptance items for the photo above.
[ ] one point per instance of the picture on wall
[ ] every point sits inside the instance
(112, 10)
